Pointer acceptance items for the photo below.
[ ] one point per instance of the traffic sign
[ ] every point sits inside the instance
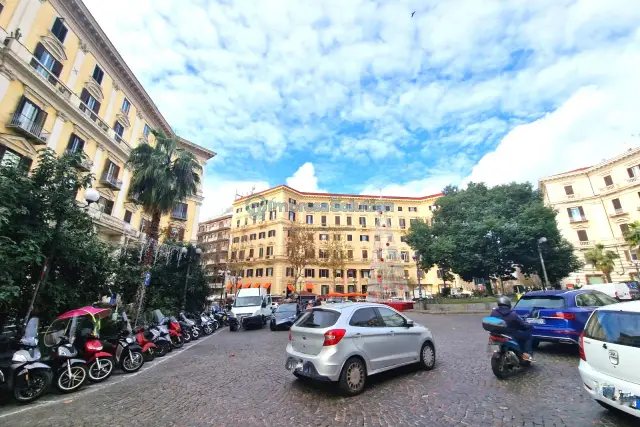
(147, 278)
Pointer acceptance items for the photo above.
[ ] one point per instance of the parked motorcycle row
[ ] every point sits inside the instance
(87, 344)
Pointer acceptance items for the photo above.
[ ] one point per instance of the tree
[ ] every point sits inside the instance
(632, 236)
(238, 260)
(162, 176)
(300, 249)
(334, 259)
(602, 259)
(483, 232)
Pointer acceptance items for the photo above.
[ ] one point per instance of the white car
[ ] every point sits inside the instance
(619, 291)
(610, 353)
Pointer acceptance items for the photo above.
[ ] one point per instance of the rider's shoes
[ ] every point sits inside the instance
(527, 357)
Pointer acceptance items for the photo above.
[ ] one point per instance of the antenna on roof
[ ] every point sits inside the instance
(238, 195)
(253, 189)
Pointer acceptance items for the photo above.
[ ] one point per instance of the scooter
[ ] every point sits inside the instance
(71, 372)
(22, 373)
(127, 353)
(506, 353)
(195, 330)
(161, 336)
(206, 324)
(182, 327)
(175, 332)
(148, 347)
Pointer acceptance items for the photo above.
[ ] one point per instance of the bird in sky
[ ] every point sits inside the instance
(413, 14)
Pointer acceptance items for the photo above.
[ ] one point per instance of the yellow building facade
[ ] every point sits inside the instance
(595, 205)
(64, 86)
(259, 228)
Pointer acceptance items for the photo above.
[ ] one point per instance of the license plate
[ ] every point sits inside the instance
(608, 392)
(536, 321)
(492, 348)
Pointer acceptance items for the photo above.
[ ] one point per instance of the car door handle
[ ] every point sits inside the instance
(604, 346)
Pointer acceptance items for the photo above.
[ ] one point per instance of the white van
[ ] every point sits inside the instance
(619, 291)
(251, 307)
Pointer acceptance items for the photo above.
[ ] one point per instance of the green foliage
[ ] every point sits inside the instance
(632, 236)
(483, 232)
(602, 259)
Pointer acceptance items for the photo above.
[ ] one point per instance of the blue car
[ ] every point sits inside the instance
(560, 316)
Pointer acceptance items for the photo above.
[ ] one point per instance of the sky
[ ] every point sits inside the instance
(360, 97)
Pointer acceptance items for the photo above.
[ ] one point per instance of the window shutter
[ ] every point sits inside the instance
(39, 51)
(581, 211)
(56, 69)
(96, 107)
(607, 180)
(627, 255)
(84, 96)
(630, 172)
(616, 204)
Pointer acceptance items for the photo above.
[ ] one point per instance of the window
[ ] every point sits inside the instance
(365, 274)
(260, 252)
(399, 208)
(402, 223)
(631, 256)
(540, 302)
(46, 64)
(336, 237)
(112, 171)
(246, 221)
(127, 216)
(309, 219)
(309, 272)
(634, 171)
(351, 273)
(403, 239)
(238, 223)
(439, 274)
(259, 272)
(9, 158)
(76, 144)
(323, 254)
(145, 132)
(252, 236)
(390, 318)
(350, 254)
(126, 106)
(349, 238)
(404, 255)
(568, 190)
(262, 235)
(244, 239)
(180, 211)
(576, 214)
(348, 220)
(143, 225)
(582, 236)
(292, 216)
(233, 255)
(364, 238)
(90, 101)
(324, 237)
(377, 222)
(59, 29)
(1, 7)
(289, 272)
(587, 300)
(269, 250)
(608, 181)
(365, 254)
(236, 240)
(272, 233)
(106, 205)
(250, 253)
(413, 221)
(98, 74)
(318, 319)
(363, 221)
(337, 220)
(323, 273)
(269, 272)
(338, 274)
(249, 272)
(118, 129)
(323, 220)
(624, 228)
(616, 204)
(388, 222)
(365, 318)
(376, 238)
(615, 327)
(413, 209)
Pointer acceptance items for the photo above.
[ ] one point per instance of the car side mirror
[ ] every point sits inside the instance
(409, 324)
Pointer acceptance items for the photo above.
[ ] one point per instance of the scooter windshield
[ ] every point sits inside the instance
(30, 337)
(159, 317)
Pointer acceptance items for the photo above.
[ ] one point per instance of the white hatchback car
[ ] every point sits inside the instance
(350, 341)
(610, 353)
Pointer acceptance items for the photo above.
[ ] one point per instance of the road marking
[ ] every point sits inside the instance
(41, 403)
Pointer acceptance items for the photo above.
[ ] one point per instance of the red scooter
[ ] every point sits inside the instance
(148, 348)
(175, 333)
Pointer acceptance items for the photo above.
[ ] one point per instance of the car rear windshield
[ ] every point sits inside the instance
(543, 301)
(615, 327)
(318, 319)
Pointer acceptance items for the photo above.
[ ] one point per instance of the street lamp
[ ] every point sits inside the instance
(224, 274)
(544, 270)
(417, 258)
(191, 253)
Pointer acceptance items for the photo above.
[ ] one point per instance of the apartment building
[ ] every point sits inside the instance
(64, 86)
(595, 205)
(213, 239)
(259, 233)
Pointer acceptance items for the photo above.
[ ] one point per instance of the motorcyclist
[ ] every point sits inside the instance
(517, 328)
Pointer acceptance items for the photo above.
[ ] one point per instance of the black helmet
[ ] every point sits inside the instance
(504, 302)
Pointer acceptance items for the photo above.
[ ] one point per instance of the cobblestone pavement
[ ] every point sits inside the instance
(238, 379)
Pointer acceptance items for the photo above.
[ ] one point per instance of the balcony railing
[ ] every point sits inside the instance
(111, 181)
(28, 127)
(93, 116)
(117, 137)
(574, 219)
(585, 243)
(619, 211)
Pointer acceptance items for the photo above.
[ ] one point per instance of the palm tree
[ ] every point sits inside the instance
(162, 176)
(601, 259)
(632, 236)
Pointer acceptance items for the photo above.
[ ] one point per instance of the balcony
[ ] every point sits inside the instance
(577, 219)
(84, 108)
(111, 181)
(29, 128)
(585, 243)
(618, 212)
(608, 188)
(118, 138)
(134, 197)
(48, 76)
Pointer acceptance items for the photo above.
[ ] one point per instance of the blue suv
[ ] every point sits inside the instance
(560, 316)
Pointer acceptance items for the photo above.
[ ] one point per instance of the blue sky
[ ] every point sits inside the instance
(356, 95)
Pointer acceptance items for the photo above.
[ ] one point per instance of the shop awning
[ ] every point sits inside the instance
(246, 286)
(308, 286)
(228, 286)
(255, 285)
(353, 294)
(266, 285)
(291, 288)
(335, 295)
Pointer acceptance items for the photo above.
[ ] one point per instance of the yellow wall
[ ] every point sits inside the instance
(7, 13)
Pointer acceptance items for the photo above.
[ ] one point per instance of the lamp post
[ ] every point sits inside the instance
(225, 275)
(191, 253)
(544, 270)
(417, 258)
(90, 196)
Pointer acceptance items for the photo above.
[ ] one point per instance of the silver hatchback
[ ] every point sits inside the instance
(348, 342)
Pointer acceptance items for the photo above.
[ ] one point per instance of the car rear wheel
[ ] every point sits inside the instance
(353, 377)
(428, 356)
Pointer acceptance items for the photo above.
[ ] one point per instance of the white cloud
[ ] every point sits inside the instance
(220, 193)
(305, 179)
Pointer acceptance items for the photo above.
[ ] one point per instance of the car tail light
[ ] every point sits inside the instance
(333, 336)
(581, 347)
(289, 334)
(498, 338)
(566, 316)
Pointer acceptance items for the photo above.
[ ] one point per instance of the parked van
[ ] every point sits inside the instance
(251, 307)
(619, 291)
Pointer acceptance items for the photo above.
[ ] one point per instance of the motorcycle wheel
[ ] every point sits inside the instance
(186, 336)
(195, 333)
(163, 349)
(177, 342)
(150, 355)
(79, 375)
(131, 362)
(498, 367)
(40, 381)
(207, 330)
(99, 374)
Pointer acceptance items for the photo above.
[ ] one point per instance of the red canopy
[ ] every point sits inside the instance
(86, 311)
